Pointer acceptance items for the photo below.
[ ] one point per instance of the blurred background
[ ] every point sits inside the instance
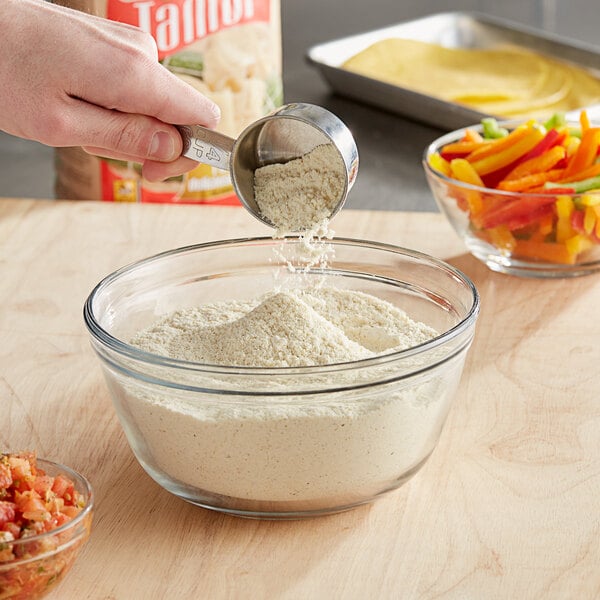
(390, 175)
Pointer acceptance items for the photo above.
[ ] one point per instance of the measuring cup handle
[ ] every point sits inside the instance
(206, 146)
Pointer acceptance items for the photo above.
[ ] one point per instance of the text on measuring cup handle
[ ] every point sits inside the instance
(206, 146)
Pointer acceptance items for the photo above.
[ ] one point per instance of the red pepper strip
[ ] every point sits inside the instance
(509, 155)
(551, 139)
(516, 213)
(586, 153)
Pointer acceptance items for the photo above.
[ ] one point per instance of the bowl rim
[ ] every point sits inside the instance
(123, 348)
(80, 482)
(452, 136)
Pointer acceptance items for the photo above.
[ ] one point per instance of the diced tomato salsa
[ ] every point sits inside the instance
(33, 503)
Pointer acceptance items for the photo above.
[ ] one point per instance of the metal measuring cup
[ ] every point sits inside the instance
(289, 132)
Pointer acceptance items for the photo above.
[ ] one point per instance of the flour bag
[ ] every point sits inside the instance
(230, 50)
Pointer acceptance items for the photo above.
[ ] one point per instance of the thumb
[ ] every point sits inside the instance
(130, 136)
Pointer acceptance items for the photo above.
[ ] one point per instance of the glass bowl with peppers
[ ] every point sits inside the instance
(524, 196)
(45, 519)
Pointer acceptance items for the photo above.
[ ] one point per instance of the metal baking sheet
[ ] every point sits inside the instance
(451, 29)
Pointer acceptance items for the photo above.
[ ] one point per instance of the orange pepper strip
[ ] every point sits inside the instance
(577, 244)
(472, 136)
(585, 155)
(494, 162)
(539, 164)
(547, 251)
(464, 147)
(584, 121)
(592, 171)
(527, 182)
(499, 144)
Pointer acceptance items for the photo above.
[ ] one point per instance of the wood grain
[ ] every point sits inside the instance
(508, 506)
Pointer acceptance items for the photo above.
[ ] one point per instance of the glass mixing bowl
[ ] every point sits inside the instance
(282, 442)
(519, 233)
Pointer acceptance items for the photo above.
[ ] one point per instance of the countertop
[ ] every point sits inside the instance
(390, 146)
(506, 507)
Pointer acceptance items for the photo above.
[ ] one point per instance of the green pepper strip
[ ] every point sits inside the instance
(584, 185)
(491, 130)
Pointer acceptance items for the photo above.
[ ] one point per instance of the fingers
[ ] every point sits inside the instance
(142, 85)
(112, 133)
(152, 170)
(158, 171)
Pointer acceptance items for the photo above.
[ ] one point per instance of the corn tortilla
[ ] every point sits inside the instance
(506, 81)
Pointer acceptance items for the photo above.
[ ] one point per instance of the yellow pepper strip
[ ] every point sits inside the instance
(538, 164)
(597, 229)
(437, 162)
(589, 219)
(589, 200)
(571, 145)
(577, 244)
(509, 155)
(564, 210)
(499, 144)
(462, 170)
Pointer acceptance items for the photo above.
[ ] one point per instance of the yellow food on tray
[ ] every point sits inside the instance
(506, 81)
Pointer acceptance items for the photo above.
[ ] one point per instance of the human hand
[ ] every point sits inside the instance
(72, 79)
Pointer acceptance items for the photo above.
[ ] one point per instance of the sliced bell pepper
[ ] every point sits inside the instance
(544, 251)
(462, 170)
(461, 149)
(499, 145)
(564, 209)
(491, 129)
(515, 214)
(496, 161)
(437, 162)
(537, 164)
(586, 153)
(527, 182)
(578, 187)
(553, 138)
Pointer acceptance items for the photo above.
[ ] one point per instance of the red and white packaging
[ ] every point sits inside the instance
(230, 50)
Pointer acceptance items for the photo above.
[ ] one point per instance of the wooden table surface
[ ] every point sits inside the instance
(507, 507)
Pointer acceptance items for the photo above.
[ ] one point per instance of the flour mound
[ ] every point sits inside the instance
(285, 329)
